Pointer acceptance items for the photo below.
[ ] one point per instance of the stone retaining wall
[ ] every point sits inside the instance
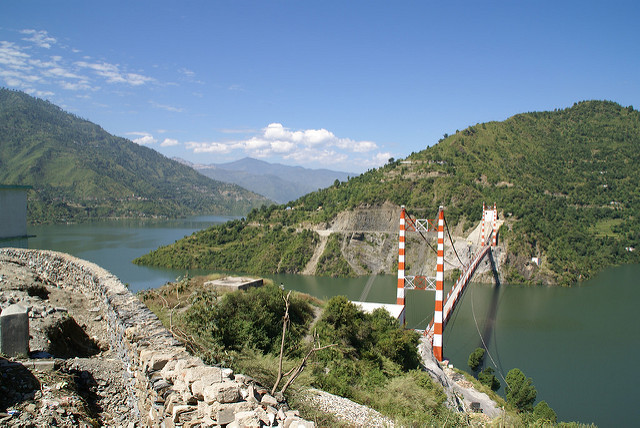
(167, 386)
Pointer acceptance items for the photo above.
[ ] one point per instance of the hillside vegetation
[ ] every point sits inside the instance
(566, 182)
(79, 171)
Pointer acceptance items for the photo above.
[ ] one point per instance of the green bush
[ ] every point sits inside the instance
(372, 348)
(488, 378)
(250, 319)
(520, 390)
(475, 359)
(544, 413)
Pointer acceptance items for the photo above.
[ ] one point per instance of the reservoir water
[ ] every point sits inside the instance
(580, 345)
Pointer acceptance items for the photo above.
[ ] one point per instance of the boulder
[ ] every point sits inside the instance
(248, 419)
(225, 392)
(14, 331)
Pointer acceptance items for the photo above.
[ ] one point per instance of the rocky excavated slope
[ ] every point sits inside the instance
(369, 243)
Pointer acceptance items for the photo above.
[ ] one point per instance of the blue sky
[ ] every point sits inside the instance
(326, 84)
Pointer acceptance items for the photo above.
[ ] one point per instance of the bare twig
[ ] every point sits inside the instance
(285, 323)
(165, 304)
(302, 365)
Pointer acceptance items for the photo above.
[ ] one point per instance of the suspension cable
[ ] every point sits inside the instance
(482, 340)
(431, 246)
(418, 230)
(453, 245)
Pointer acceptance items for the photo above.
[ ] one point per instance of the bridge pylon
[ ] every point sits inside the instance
(438, 321)
(489, 216)
(401, 245)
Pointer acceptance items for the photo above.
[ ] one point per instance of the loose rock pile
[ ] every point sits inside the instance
(41, 397)
(142, 376)
(346, 410)
(194, 394)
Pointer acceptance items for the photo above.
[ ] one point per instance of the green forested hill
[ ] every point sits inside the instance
(566, 182)
(79, 171)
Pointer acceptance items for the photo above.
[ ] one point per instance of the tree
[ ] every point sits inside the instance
(542, 412)
(520, 390)
(475, 359)
(488, 378)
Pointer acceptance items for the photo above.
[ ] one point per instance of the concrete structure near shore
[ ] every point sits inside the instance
(393, 309)
(14, 331)
(233, 283)
(13, 211)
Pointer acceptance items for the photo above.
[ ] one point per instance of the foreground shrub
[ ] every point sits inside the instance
(249, 319)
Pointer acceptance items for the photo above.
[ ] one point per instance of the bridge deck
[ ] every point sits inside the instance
(459, 287)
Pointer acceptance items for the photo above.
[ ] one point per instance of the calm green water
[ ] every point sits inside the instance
(579, 345)
(114, 244)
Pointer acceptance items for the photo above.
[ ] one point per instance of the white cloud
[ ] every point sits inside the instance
(39, 38)
(166, 107)
(186, 72)
(381, 158)
(19, 69)
(304, 147)
(220, 148)
(19, 79)
(309, 137)
(12, 56)
(147, 139)
(36, 93)
(61, 72)
(316, 137)
(77, 86)
(357, 146)
(144, 138)
(168, 142)
(112, 73)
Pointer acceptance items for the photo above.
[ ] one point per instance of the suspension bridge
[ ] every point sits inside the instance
(444, 306)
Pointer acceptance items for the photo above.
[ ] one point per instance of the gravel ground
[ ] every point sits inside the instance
(346, 410)
(72, 379)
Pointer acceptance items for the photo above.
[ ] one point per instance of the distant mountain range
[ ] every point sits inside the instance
(80, 172)
(277, 182)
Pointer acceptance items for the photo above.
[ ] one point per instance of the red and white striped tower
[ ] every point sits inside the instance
(400, 290)
(482, 236)
(495, 228)
(437, 316)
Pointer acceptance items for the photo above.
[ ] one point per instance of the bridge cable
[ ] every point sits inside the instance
(462, 265)
(423, 320)
(418, 230)
(427, 242)
(483, 342)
